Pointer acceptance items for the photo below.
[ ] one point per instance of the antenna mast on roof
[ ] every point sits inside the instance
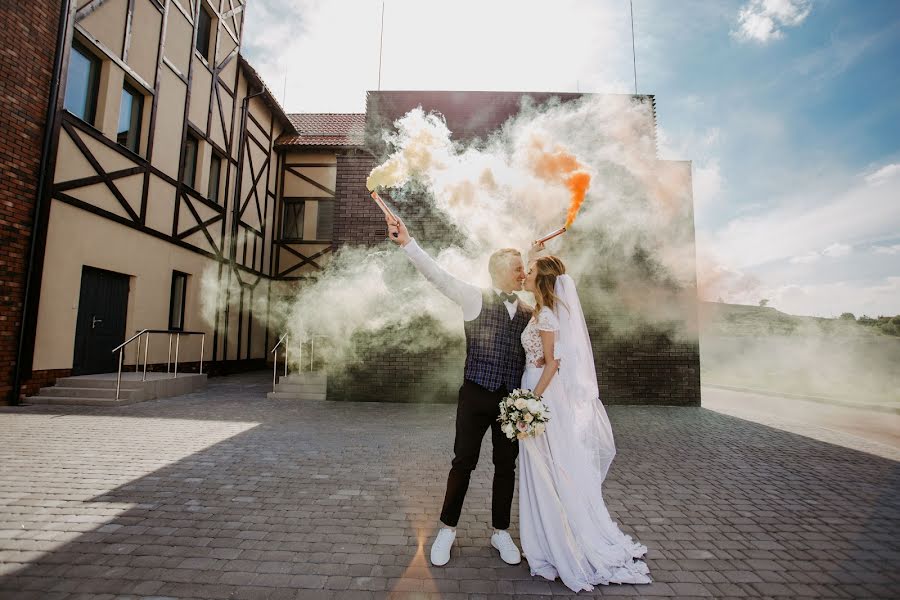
(380, 45)
(633, 55)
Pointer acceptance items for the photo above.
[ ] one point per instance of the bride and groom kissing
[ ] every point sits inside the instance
(565, 528)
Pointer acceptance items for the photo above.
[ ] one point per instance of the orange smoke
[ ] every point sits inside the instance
(561, 165)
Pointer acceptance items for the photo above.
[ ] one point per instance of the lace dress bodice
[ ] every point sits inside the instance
(531, 336)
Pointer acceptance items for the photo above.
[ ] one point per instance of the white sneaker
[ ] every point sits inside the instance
(507, 547)
(440, 549)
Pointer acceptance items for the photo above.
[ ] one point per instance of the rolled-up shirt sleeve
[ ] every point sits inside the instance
(466, 295)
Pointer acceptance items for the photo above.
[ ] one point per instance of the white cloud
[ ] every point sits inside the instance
(805, 259)
(810, 219)
(708, 183)
(837, 250)
(831, 299)
(889, 250)
(762, 21)
(883, 174)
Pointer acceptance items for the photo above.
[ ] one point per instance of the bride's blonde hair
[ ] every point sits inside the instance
(548, 269)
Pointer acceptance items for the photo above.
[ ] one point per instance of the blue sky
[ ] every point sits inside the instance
(788, 109)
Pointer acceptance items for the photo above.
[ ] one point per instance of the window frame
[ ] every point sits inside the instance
(293, 201)
(215, 156)
(210, 45)
(137, 123)
(191, 137)
(93, 92)
(304, 201)
(184, 277)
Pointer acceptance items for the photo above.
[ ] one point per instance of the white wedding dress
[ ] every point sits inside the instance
(565, 529)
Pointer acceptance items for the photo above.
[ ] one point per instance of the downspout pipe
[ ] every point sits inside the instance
(32, 277)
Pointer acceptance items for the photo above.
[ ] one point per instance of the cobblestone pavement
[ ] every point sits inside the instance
(224, 494)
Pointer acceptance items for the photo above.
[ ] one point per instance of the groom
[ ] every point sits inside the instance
(493, 320)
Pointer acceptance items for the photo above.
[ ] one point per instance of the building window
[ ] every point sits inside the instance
(204, 31)
(130, 110)
(189, 160)
(325, 220)
(292, 225)
(215, 177)
(176, 300)
(82, 83)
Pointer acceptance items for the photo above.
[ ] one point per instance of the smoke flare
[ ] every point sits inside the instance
(561, 165)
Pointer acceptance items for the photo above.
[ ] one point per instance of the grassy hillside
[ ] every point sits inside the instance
(765, 349)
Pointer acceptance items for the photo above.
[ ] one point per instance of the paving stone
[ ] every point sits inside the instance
(225, 494)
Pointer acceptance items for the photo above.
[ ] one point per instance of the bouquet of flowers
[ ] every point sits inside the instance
(522, 414)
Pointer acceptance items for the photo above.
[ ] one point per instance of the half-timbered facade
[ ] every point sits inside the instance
(161, 188)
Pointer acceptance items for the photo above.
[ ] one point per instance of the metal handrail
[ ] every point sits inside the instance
(281, 341)
(284, 341)
(137, 361)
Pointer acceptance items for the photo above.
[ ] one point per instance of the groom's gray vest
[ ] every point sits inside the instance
(494, 353)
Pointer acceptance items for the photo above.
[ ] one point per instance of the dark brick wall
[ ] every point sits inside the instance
(40, 379)
(26, 67)
(357, 219)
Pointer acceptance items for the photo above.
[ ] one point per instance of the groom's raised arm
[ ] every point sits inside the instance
(466, 295)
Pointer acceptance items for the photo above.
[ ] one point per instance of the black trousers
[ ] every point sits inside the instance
(476, 412)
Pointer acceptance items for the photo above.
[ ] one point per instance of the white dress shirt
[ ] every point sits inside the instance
(466, 295)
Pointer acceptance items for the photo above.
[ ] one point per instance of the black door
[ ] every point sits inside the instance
(101, 321)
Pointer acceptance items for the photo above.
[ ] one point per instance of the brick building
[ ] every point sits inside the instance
(147, 166)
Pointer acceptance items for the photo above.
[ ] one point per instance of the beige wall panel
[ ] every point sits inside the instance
(100, 196)
(203, 210)
(109, 99)
(179, 33)
(286, 260)
(241, 93)
(294, 186)
(310, 215)
(201, 86)
(148, 260)
(70, 163)
(169, 117)
(259, 155)
(215, 123)
(261, 113)
(310, 157)
(185, 4)
(232, 321)
(132, 188)
(199, 240)
(310, 249)
(250, 216)
(107, 24)
(258, 341)
(160, 205)
(226, 45)
(227, 75)
(261, 136)
(326, 176)
(142, 53)
(108, 158)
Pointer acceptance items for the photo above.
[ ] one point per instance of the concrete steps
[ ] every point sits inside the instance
(311, 385)
(100, 389)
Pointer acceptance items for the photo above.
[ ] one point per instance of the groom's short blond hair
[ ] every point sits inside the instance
(500, 259)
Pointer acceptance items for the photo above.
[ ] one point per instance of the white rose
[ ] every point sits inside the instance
(508, 429)
(520, 403)
(529, 418)
(534, 406)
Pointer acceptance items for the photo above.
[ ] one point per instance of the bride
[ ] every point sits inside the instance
(564, 526)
